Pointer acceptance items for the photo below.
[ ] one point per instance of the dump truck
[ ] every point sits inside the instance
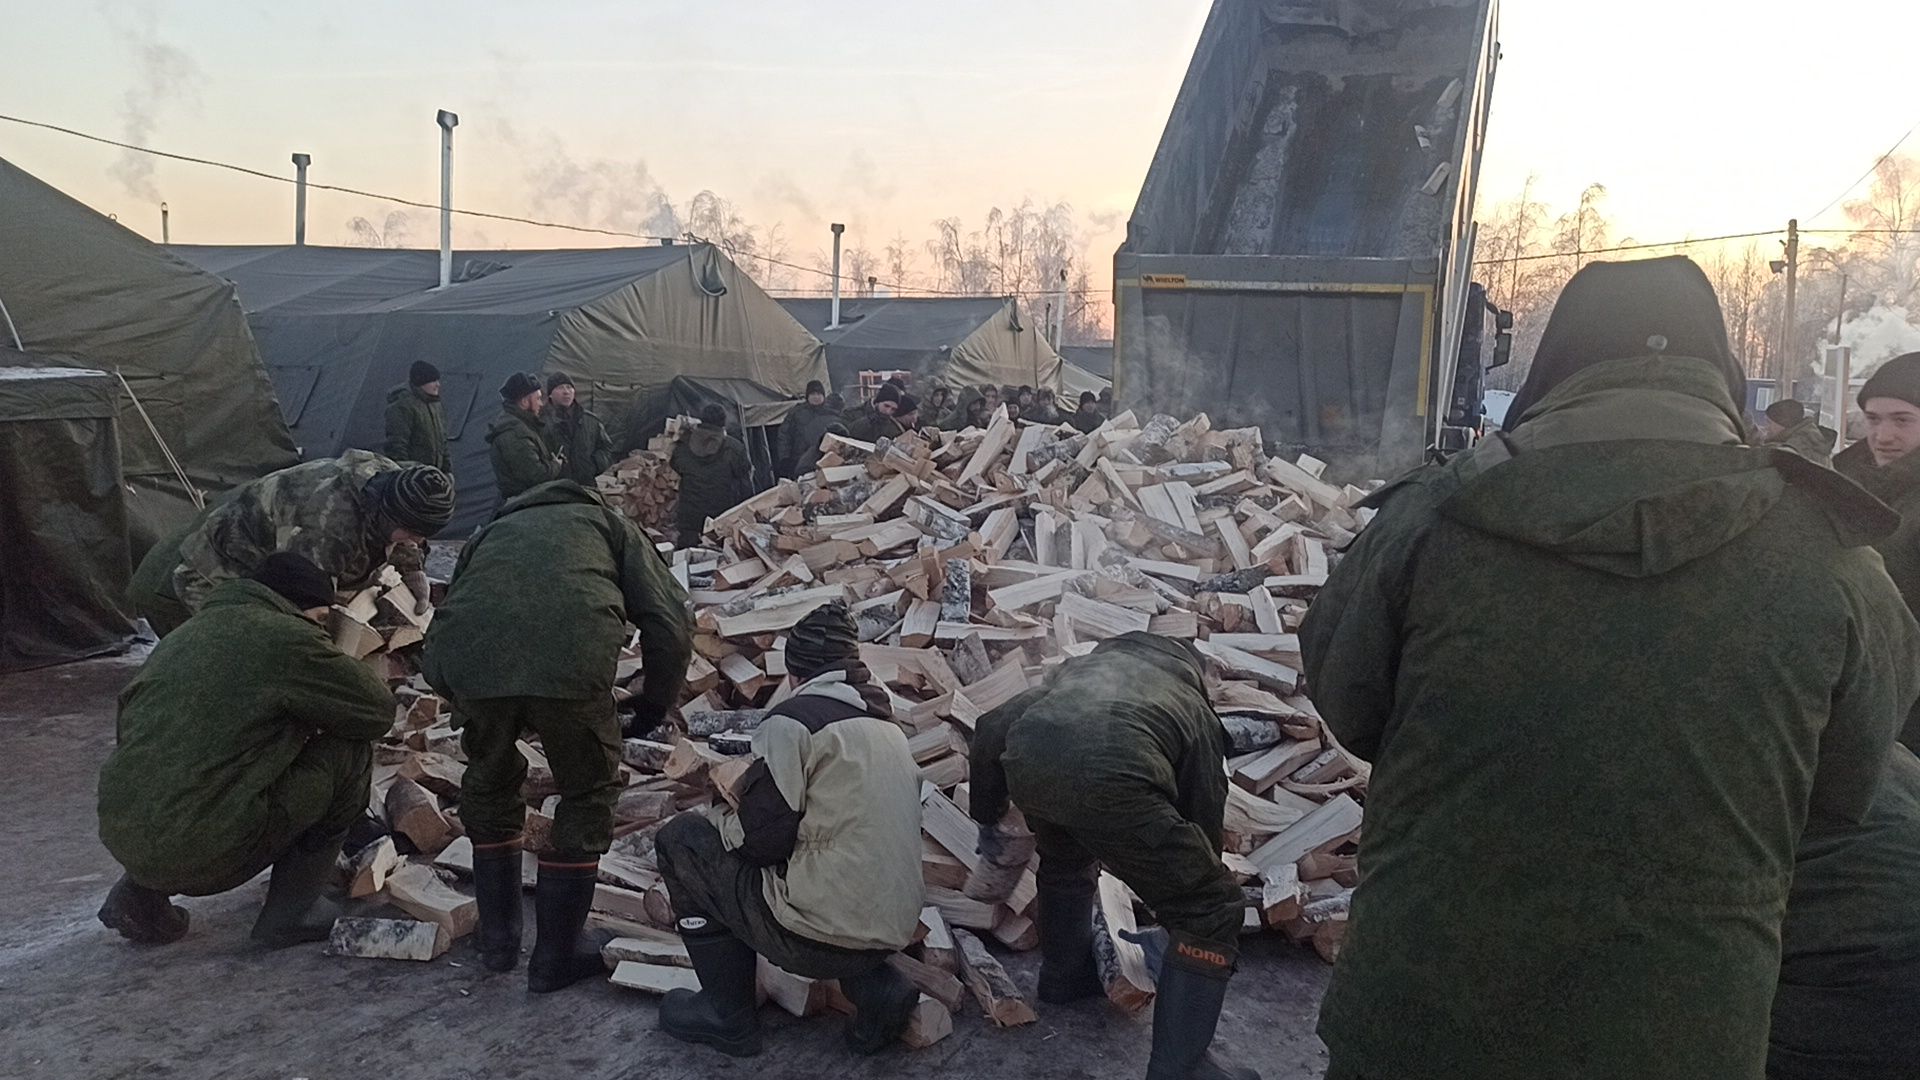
(1300, 258)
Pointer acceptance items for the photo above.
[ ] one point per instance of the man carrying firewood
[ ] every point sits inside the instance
(349, 515)
(1119, 760)
(245, 741)
(1591, 762)
(513, 654)
(819, 868)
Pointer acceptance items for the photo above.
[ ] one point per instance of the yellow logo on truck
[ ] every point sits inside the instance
(1163, 281)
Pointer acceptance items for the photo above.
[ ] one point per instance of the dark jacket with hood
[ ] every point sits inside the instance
(1607, 665)
(1848, 1006)
(1897, 485)
(540, 602)
(417, 428)
(1129, 721)
(522, 457)
(800, 436)
(582, 440)
(715, 475)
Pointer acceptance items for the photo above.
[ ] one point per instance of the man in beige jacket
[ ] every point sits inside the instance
(818, 870)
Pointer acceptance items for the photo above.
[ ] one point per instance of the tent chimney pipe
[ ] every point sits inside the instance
(833, 320)
(300, 163)
(1060, 312)
(447, 121)
(165, 236)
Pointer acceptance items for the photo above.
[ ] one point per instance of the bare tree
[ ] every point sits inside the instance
(392, 232)
(1885, 251)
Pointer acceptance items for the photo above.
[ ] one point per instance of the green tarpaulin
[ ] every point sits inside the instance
(81, 289)
(956, 340)
(63, 515)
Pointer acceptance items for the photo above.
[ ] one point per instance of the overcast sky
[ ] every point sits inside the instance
(1701, 117)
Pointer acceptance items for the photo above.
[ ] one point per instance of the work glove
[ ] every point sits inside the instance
(417, 584)
(1153, 942)
(993, 844)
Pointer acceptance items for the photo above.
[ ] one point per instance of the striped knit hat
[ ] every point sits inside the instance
(418, 498)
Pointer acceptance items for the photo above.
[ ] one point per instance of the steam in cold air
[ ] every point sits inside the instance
(1879, 335)
(163, 76)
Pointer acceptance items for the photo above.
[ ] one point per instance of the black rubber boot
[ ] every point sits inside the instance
(722, 1014)
(564, 952)
(1068, 972)
(1186, 1008)
(883, 1002)
(295, 912)
(496, 891)
(142, 915)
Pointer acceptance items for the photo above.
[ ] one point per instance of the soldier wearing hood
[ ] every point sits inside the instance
(1119, 761)
(715, 473)
(1591, 761)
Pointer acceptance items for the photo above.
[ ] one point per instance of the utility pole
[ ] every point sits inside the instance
(1783, 386)
(1840, 317)
(300, 163)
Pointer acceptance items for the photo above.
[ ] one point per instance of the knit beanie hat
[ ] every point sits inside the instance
(422, 373)
(814, 387)
(827, 636)
(1786, 412)
(296, 578)
(418, 498)
(908, 404)
(1898, 378)
(557, 380)
(1619, 310)
(713, 415)
(517, 386)
(887, 392)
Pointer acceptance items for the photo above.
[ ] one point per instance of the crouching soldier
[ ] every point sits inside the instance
(528, 638)
(348, 515)
(818, 871)
(1119, 761)
(244, 742)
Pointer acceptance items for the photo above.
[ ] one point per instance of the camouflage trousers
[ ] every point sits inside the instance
(581, 740)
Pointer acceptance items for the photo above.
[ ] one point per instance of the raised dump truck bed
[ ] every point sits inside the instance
(1299, 257)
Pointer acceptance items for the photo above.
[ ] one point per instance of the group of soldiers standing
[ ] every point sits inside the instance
(1635, 680)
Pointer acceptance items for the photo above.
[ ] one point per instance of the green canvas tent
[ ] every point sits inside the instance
(956, 340)
(338, 328)
(78, 288)
(63, 515)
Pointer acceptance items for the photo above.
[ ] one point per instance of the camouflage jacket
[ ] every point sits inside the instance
(318, 509)
(522, 456)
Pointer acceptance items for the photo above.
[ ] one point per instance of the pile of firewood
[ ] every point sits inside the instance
(643, 486)
(973, 562)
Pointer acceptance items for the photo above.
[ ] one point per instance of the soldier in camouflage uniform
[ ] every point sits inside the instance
(244, 742)
(527, 638)
(1887, 463)
(1788, 425)
(1119, 759)
(416, 422)
(517, 443)
(350, 515)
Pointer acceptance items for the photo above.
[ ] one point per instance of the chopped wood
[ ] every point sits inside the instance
(371, 867)
(999, 999)
(415, 814)
(941, 985)
(930, 1022)
(1129, 985)
(387, 939)
(415, 889)
(1331, 821)
(796, 994)
(650, 978)
(646, 950)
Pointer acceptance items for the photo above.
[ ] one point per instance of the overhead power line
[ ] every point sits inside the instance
(1875, 167)
(489, 215)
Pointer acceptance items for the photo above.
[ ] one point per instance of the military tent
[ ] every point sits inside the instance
(63, 515)
(956, 340)
(338, 328)
(79, 288)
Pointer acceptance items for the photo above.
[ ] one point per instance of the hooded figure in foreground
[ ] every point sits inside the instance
(1592, 760)
(1119, 761)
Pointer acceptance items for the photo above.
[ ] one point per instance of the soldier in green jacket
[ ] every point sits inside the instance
(350, 515)
(1848, 1006)
(416, 424)
(527, 638)
(1886, 464)
(1591, 761)
(517, 443)
(579, 436)
(715, 473)
(803, 429)
(244, 742)
(1119, 759)
(1788, 425)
